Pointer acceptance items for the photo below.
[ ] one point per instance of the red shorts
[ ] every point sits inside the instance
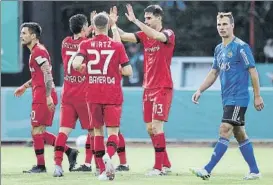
(41, 115)
(103, 114)
(157, 104)
(71, 112)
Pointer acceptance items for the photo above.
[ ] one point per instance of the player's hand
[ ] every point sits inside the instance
(50, 103)
(20, 91)
(258, 103)
(113, 15)
(195, 97)
(131, 15)
(92, 15)
(82, 69)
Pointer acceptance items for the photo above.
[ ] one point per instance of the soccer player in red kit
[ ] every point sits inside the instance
(44, 96)
(73, 102)
(104, 59)
(158, 86)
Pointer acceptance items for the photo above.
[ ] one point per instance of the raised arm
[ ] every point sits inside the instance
(113, 17)
(150, 32)
(128, 37)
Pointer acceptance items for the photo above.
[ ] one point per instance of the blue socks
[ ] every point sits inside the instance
(248, 154)
(219, 151)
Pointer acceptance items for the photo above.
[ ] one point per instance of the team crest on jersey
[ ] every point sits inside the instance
(229, 54)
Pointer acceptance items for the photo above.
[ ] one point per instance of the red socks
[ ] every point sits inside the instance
(60, 148)
(159, 143)
(38, 144)
(112, 145)
(99, 151)
(121, 149)
(88, 149)
(51, 139)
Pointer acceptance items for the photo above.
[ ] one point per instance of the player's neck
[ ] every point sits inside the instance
(100, 33)
(228, 40)
(30, 46)
(77, 36)
(159, 27)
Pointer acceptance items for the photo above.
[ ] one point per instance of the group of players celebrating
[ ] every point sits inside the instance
(94, 65)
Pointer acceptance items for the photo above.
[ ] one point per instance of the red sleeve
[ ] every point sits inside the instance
(123, 58)
(82, 51)
(139, 36)
(170, 36)
(40, 56)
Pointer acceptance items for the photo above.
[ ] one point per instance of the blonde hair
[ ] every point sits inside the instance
(226, 14)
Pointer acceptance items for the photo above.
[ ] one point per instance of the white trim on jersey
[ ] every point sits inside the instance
(243, 54)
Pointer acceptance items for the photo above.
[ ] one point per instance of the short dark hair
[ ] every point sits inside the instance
(226, 14)
(76, 23)
(101, 20)
(155, 9)
(33, 27)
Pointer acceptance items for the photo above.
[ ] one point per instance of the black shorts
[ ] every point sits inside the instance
(234, 115)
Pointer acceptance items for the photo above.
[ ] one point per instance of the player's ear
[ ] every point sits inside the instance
(33, 36)
(232, 25)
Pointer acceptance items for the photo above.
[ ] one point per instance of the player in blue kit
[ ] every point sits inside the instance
(234, 62)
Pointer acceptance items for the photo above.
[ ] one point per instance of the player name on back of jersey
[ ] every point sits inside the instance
(71, 46)
(101, 44)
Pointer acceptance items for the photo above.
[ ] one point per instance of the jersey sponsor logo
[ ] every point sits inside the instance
(74, 79)
(224, 66)
(152, 49)
(101, 80)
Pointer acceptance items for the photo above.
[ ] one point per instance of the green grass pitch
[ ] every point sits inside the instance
(229, 171)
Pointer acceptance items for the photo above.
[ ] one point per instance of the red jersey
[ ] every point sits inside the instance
(74, 86)
(104, 56)
(157, 60)
(38, 56)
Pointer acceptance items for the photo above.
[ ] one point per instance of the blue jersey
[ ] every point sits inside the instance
(232, 62)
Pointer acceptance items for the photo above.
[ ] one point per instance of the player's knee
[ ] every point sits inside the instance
(240, 134)
(91, 132)
(38, 130)
(112, 131)
(157, 126)
(65, 130)
(149, 128)
(98, 131)
(225, 130)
